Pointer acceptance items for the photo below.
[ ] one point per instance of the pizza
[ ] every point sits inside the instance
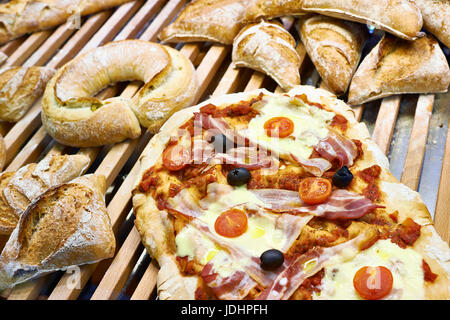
(262, 196)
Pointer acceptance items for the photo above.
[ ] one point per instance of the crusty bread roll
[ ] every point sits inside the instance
(399, 17)
(72, 116)
(19, 188)
(67, 225)
(269, 9)
(19, 17)
(19, 89)
(335, 48)
(269, 48)
(207, 20)
(397, 66)
(436, 18)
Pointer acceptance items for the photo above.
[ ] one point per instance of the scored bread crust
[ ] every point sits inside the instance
(19, 17)
(399, 17)
(157, 232)
(269, 48)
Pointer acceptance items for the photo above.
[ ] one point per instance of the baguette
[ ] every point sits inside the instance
(335, 48)
(67, 225)
(20, 17)
(399, 17)
(19, 188)
(269, 48)
(397, 66)
(270, 9)
(72, 116)
(436, 18)
(19, 89)
(207, 20)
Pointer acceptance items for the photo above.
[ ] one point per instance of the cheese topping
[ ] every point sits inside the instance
(404, 264)
(310, 126)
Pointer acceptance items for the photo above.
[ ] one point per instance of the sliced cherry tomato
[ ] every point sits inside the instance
(231, 223)
(314, 190)
(373, 283)
(176, 157)
(280, 127)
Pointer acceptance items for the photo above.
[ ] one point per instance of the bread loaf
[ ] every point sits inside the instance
(19, 89)
(436, 18)
(207, 20)
(19, 17)
(73, 116)
(19, 188)
(65, 226)
(397, 66)
(269, 9)
(335, 48)
(269, 48)
(399, 17)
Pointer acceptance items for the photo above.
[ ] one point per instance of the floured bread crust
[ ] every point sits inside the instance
(157, 231)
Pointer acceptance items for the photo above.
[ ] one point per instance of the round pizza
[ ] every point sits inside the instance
(260, 196)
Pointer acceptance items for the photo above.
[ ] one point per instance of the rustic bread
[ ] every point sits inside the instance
(3, 57)
(269, 48)
(2, 152)
(335, 48)
(19, 17)
(72, 116)
(207, 20)
(19, 89)
(436, 18)
(19, 188)
(397, 66)
(269, 9)
(67, 225)
(399, 17)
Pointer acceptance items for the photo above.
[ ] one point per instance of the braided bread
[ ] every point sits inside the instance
(269, 48)
(19, 188)
(65, 226)
(73, 117)
(19, 17)
(19, 89)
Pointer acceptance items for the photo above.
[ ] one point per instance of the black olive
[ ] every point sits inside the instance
(342, 177)
(221, 143)
(271, 259)
(238, 177)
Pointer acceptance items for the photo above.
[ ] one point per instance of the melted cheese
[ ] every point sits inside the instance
(404, 264)
(262, 233)
(310, 126)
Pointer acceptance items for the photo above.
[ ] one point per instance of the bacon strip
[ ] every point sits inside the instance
(342, 204)
(297, 269)
(233, 287)
(337, 147)
(246, 157)
(315, 166)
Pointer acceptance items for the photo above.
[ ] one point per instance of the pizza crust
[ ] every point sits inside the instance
(158, 235)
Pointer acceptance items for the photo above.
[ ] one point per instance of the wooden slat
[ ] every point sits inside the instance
(442, 213)
(384, 126)
(417, 142)
(147, 284)
(27, 48)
